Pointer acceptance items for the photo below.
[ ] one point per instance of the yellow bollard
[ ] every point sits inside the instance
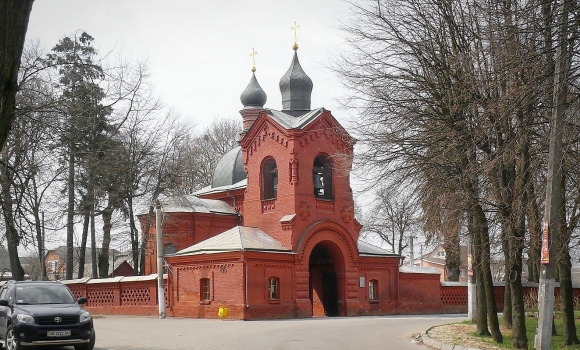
(223, 312)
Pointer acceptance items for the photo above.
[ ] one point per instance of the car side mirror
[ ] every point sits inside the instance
(4, 302)
(81, 301)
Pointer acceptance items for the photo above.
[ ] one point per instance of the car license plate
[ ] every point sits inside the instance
(58, 334)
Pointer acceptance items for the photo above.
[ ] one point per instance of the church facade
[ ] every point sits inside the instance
(274, 235)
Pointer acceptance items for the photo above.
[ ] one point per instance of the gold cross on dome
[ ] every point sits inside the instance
(253, 54)
(294, 28)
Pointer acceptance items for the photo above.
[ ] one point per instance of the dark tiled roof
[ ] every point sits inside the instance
(294, 120)
(230, 169)
(296, 87)
(253, 95)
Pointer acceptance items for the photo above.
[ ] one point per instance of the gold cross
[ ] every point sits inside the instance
(294, 28)
(253, 54)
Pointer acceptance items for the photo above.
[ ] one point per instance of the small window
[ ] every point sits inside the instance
(204, 293)
(441, 253)
(373, 290)
(322, 178)
(462, 273)
(270, 179)
(169, 249)
(273, 291)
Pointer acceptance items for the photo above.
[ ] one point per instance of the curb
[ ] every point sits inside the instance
(436, 344)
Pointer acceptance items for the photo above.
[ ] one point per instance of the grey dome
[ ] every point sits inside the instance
(253, 95)
(230, 169)
(296, 88)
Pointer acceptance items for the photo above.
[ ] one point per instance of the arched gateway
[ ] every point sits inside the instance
(326, 282)
(327, 252)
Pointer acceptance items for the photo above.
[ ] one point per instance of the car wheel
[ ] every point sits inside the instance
(87, 346)
(11, 342)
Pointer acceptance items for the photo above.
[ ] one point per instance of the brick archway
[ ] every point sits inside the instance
(326, 279)
(326, 253)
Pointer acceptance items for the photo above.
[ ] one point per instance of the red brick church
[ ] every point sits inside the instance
(274, 236)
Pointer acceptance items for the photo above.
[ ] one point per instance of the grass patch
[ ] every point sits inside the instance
(531, 324)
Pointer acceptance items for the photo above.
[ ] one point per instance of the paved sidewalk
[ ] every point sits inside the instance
(381, 332)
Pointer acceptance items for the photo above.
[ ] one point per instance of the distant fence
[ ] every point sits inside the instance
(454, 294)
(120, 295)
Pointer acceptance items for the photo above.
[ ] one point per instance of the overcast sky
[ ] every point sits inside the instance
(198, 51)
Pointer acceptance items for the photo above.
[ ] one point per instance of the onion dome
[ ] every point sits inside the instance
(296, 88)
(230, 169)
(253, 96)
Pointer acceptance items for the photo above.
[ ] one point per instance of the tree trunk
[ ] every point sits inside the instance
(12, 237)
(93, 245)
(481, 310)
(507, 304)
(507, 296)
(39, 241)
(70, 214)
(535, 232)
(482, 229)
(565, 272)
(134, 236)
(104, 255)
(452, 255)
(14, 15)
(83, 248)
(91, 214)
(567, 298)
(514, 274)
(520, 339)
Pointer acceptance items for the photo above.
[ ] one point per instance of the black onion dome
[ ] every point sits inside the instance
(253, 95)
(296, 87)
(230, 169)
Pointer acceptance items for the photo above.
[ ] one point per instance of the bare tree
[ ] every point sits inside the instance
(201, 152)
(393, 218)
(14, 15)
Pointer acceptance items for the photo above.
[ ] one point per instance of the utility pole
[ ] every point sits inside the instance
(43, 253)
(159, 236)
(551, 228)
(471, 288)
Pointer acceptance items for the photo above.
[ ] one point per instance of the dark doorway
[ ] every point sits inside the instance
(330, 292)
(323, 283)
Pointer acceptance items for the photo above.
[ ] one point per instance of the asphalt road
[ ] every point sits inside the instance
(381, 332)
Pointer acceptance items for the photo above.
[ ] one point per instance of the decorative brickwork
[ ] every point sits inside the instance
(454, 296)
(325, 206)
(134, 294)
(268, 205)
(101, 295)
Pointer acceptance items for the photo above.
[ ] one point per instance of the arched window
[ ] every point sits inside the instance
(273, 285)
(322, 178)
(204, 289)
(269, 179)
(373, 290)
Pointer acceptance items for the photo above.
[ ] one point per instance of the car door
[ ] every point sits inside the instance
(5, 311)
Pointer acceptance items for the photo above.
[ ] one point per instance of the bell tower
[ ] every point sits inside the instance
(297, 159)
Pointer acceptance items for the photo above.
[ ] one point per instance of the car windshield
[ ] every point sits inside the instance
(43, 294)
